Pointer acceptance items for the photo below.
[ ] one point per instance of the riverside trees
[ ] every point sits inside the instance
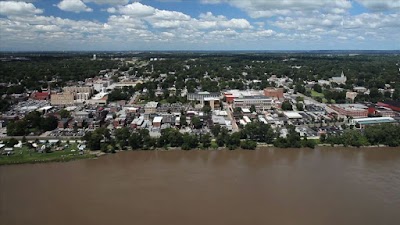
(384, 134)
(33, 122)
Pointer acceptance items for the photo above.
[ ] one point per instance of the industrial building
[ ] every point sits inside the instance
(261, 103)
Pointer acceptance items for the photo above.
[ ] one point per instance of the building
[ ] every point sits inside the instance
(214, 103)
(372, 121)
(157, 121)
(101, 85)
(63, 123)
(351, 110)
(360, 89)
(151, 107)
(99, 99)
(324, 82)
(231, 95)
(292, 115)
(200, 96)
(40, 95)
(81, 115)
(123, 84)
(339, 80)
(78, 89)
(62, 99)
(394, 105)
(274, 92)
(351, 95)
(261, 103)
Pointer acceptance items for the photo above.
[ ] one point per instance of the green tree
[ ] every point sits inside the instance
(196, 122)
(11, 142)
(205, 140)
(233, 140)
(206, 109)
(248, 144)
(299, 106)
(190, 141)
(259, 131)
(287, 106)
(65, 114)
(135, 141)
(183, 121)
(317, 88)
(253, 108)
(215, 130)
(122, 137)
(49, 123)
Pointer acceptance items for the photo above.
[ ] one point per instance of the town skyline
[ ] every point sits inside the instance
(204, 25)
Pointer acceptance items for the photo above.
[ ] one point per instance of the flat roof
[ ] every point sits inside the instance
(246, 110)
(157, 119)
(45, 108)
(352, 107)
(211, 99)
(292, 115)
(374, 120)
(151, 105)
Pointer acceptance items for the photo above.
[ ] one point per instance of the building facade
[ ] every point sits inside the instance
(274, 92)
(62, 99)
(261, 103)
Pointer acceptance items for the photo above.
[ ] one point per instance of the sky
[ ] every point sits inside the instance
(129, 25)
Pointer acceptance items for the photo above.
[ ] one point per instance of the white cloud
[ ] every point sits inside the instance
(73, 6)
(109, 2)
(136, 9)
(137, 25)
(18, 8)
(380, 5)
(269, 8)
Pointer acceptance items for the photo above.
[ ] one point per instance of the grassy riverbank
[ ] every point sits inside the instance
(26, 155)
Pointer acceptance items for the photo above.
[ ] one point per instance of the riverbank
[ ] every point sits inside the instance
(26, 156)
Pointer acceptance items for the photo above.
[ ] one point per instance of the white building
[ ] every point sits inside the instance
(339, 80)
(261, 103)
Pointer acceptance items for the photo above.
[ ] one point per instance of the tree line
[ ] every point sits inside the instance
(33, 122)
(384, 134)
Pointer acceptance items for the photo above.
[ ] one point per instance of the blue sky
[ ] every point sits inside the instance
(54, 25)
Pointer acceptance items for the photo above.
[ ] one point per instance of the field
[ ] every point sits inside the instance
(26, 155)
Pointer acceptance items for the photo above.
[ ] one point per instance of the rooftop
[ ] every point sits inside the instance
(374, 120)
(292, 115)
(352, 107)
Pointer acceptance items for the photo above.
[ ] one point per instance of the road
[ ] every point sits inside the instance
(229, 110)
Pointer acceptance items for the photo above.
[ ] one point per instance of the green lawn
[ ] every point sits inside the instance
(315, 94)
(25, 155)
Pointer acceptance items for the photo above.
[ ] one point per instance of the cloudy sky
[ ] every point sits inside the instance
(31, 25)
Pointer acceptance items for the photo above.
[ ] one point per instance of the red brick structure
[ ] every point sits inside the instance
(40, 95)
(274, 92)
(352, 110)
(391, 105)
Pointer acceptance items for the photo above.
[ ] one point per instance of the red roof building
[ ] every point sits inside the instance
(40, 95)
(391, 105)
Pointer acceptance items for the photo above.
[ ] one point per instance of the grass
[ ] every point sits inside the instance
(26, 155)
(315, 94)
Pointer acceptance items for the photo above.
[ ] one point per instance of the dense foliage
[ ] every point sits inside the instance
(385, 134)
(33, 122)
(36, 72)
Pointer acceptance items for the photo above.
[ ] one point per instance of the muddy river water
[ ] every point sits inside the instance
(270, 186)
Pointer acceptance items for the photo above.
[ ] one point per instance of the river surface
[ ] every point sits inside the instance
(311, 187)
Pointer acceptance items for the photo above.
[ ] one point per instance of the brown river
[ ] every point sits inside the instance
(311, 187)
